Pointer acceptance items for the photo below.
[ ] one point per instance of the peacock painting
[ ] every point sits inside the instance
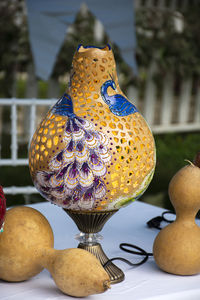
(76, 170)
(118, 104)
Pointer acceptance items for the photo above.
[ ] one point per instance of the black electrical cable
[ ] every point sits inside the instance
(153, 223)
(165, 213)
(123, 246)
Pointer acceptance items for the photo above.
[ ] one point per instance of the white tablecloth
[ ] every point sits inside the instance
(127, 225)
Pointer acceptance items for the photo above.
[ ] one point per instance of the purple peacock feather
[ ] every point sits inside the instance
(75, 180)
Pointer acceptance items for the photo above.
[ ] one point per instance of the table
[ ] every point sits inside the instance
(127, 225)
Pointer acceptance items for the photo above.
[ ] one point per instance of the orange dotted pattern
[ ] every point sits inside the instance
(46, 141)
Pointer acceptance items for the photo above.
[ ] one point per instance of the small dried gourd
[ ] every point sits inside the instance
(26, 247)
(177, 246)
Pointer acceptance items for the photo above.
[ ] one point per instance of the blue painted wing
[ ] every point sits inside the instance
(64, 107)
(122, 106)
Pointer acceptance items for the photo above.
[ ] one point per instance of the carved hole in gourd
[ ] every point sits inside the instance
(107, 117)
(130, 133)
(96, 117)
(103, 123)
(47, 123)
(52, 125)
(112, 125)
(52, 132)
(43, 139)
(102, 68)
(127, 149)
(91, 88)
(135, 184)
(120, 126)
(60, 124)
(101, 112)
(96, 96)
(141, 130)
(117, 167)
(122, 140)
(137, 139)
(55, 140)
(113, 192)
(135, 150)
(119, 149)
(115, 132)
(116, 140)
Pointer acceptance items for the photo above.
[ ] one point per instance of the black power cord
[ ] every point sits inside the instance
(124, 247)
(153, 223)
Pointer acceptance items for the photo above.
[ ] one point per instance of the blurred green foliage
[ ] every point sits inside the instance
(171, 38)
(172, 151)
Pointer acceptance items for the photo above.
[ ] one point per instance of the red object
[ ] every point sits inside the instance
(2, 207)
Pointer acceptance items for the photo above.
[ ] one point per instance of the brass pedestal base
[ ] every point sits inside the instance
(116, 274)
(91, 223)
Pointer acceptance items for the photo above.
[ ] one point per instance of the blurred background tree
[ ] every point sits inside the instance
(169, 37)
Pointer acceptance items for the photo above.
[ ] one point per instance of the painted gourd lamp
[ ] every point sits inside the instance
(93, 153)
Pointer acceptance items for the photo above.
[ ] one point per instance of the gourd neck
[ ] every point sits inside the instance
(186, 216)
(47, 256)
(91, 68)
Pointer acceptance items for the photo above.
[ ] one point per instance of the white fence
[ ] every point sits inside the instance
(31, 119)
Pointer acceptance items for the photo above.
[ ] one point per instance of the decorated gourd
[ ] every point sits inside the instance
(93, 151)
